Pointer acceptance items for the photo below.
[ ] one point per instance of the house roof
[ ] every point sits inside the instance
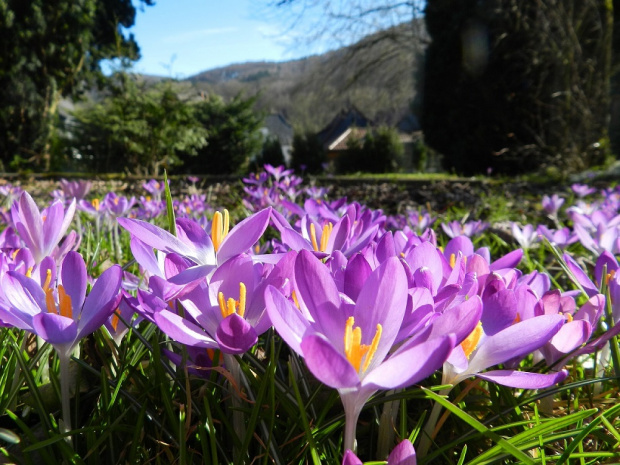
(343, 121)
(342, 142)
(276, 125)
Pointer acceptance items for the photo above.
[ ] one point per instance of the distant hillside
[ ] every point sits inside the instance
(376, 75)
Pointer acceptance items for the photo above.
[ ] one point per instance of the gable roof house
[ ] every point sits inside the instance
(275, 125)
(348, 125)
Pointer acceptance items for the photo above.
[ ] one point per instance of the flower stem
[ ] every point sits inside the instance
(65, 380)
(427, 433)
(350, 426)
(232, 365)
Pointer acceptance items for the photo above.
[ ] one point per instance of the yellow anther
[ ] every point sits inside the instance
(219, 228)
(315, 245)
(64, 303)
(452, 260)
(354, 350)
(609, 276)
(294, 296)
(15, 252)
(373, 347)
(327, 230)
(230, 306)
(29, 272)
(115, 320)
(471, 342)
(49, 301)
(96, 204)
(48, 280)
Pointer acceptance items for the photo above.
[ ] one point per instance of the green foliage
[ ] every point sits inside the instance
(517, 86)
(308, 154)
(272, 152)
(136, 129)
(48, 50)
(380, 151)
(233, 136)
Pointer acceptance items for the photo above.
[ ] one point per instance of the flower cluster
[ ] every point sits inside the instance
(370, 302)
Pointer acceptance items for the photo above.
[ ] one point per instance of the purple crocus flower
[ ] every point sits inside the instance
(552, 204)
(526, 236)
(348, 346)
(229, 312)
(41, 231)
(403, 454)
(469, 229)
(479, 352)
(61, 314)
(77, 189)
(582, 190)
(206, 251)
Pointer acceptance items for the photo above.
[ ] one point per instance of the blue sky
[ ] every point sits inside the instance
(179, 38)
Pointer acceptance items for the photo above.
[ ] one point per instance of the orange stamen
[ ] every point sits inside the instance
(230, 306)
(315, 245)
(471, 342)
(64, 303)
(354, 350)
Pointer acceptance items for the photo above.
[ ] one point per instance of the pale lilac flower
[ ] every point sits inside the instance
(582, 190)
(348, 346)
(41, 231)
(552, 204)
(526, 237)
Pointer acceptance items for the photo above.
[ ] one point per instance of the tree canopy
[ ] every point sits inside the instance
(516, 86)
(49, 50)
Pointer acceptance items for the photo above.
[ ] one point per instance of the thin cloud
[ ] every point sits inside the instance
(191, 36)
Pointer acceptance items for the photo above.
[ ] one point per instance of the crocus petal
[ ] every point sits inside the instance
(523, 380)
(55, 329)
(410, 366)
(294, 240)
(159, 238)
(73, 277)
(145, 256)
(339, 234)
(350, 459)
(244, 235)
(286, 318)
(102, 300)
(23, 293)
(29, 224)
(582, 278)
(499, 311)
(192, 274)
(510, 260)
(317, 292)
(182, 330)
(355, 275)
(403, 454)
(515, 341)
(195, 236)
(571, 335)
(460, 320)
(235, 335)
(327, 364)
(383, 300)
